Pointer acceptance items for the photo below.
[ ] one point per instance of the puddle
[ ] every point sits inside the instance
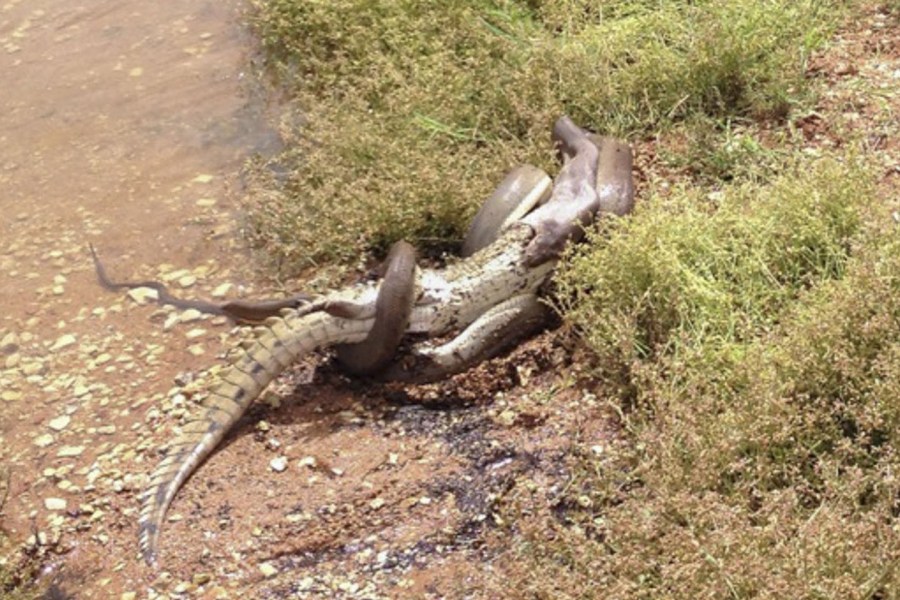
(118, 122)
(111, 109)
(122, 124)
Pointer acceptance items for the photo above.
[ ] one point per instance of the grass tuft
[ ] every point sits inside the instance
(758, 339)
(414, 110)
(688, 271)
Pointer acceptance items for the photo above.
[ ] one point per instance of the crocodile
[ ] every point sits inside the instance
(489, 297)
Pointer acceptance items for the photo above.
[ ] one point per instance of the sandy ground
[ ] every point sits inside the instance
(125, 128)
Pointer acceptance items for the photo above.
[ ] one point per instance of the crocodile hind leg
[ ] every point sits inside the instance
(490, 334)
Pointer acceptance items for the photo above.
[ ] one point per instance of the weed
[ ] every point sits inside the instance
(758, 339)
(415, 109)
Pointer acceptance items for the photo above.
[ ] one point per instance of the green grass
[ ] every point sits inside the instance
(691, 272)
(758, 344)
(412, 111)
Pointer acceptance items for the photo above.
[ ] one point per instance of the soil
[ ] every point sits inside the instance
(126, 127)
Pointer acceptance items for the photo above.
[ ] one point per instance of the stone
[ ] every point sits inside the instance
(507, 418)
(143, 295)
(191, 314)
(42, 441)
(64, 341)
(278, 464)
(221, 290)
(32, 368)
(59, 423)
(10, 340)
(70, 451)
(10, 395)
(55, 503)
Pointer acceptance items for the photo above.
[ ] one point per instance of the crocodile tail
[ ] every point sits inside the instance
(277, 343)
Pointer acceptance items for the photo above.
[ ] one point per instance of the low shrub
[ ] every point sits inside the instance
(412, 111)
(763, 353)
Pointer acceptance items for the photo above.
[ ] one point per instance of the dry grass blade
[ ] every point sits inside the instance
(4, 486)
